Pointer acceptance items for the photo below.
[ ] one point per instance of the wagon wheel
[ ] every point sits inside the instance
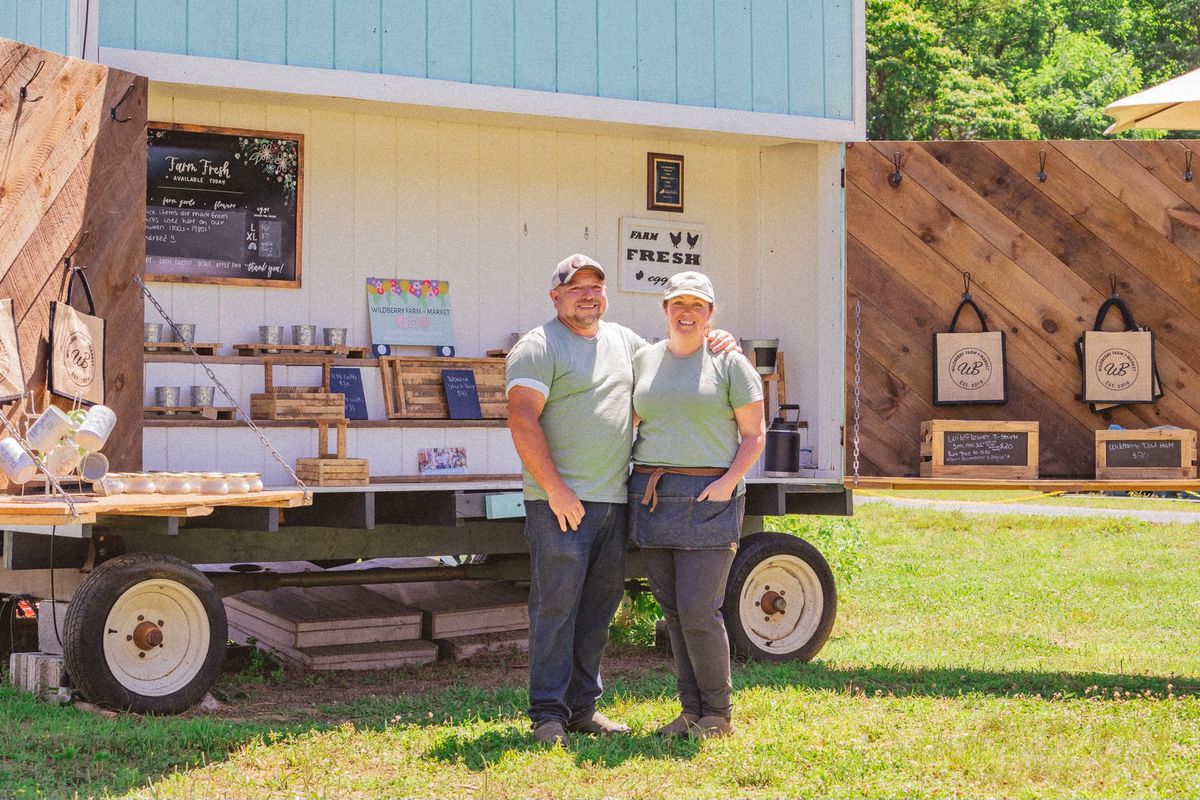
(780, 600)
(145, 632)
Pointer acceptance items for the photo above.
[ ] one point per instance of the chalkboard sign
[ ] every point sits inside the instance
(990, 448)
(223, 205)
(348, 381)
(1143, 453)
(462, 395)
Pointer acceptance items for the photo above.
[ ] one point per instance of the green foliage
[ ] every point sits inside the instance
(1018, 69)
(635, 619)
(840, 539)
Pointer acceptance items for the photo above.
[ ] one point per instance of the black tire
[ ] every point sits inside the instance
(796, 631)
(108, 663)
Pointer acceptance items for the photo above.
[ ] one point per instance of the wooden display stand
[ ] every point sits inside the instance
(1145, 454)
(330, 350)
(412, 387)
(979, 449)
(297, 402)
(332, 468)
(206, 349)
(190, 412)
(778, 377)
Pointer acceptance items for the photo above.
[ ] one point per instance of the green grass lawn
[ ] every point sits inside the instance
(978, 656)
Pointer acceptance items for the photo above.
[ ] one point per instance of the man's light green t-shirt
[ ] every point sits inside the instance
(588, 417)
(686, 405)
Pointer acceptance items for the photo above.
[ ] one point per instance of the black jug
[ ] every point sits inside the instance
(783, 441)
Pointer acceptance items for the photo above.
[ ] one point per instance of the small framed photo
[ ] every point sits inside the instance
(664, 182)
(442, 461)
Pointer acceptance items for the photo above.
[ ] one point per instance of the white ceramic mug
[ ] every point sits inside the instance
(214, 483)
(94, 467)
(63, 459)
(17, 464)
(47, 429)
(140, 483)
(96, 428)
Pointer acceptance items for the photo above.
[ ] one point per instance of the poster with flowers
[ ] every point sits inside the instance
(409, 311)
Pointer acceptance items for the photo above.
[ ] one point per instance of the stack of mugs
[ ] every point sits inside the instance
(64, 442)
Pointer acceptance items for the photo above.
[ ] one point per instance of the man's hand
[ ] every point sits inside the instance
(719, 491)
(719, 341)
(566, 507)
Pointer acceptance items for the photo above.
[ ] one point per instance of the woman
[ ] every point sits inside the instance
(700, 429)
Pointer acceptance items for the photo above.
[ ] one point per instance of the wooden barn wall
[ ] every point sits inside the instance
(68, 168)
(1040, 254)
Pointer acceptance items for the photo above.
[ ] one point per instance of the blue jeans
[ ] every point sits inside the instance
(576, 585)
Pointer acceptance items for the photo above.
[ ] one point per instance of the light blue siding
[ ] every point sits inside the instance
(310, 34)
(777, 56)
(656, 50)
(118, 24)
(492, 44)
(536, 44)
(404, 38)
(359, 24)
(806, 58)
(212, 28)
(41, 23)
(29, 23)
(735, 86)
(616, 48)
(55, 24)
(839, 62)
(262, 30)
(577, 46)
(697, 51)
(8, 19)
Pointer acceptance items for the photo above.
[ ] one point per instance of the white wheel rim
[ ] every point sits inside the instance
(168, 666)
(792, 579)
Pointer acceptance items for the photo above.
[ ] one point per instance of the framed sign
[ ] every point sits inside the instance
(664, 182)
(223, 205)
(652, 250)
(409, 311)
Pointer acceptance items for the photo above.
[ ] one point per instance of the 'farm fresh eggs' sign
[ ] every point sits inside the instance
(653, 250)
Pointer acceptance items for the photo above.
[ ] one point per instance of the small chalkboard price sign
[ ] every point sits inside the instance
(979, 449)
(348, 381)
(462, 395)
(223, 205)
(1149, 454)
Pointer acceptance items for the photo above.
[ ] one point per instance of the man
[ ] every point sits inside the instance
(570, 389)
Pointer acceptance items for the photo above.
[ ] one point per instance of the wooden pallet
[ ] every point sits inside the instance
(329, 406)
(329, 471)
(322, 616)
(412, 387)
(462, 608)
(190, 412)
(1151, 454)
(460, 648)
(333, 350)
(209, 349)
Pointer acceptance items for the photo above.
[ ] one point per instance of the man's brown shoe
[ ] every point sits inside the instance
(678, 726)
(711, 727)
(550, 732)
(598, 724)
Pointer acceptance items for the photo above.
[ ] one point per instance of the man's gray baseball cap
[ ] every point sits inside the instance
(567, 268)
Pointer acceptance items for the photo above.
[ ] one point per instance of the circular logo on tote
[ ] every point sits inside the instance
(970, 368)
(1116, 369)
(80, 358)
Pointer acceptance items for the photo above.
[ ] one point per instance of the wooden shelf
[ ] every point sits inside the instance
(166, 422)
(301, 359)
(1038, 485)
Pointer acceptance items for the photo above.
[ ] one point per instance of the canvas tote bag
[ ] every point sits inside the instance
(12, 376)
(77, 348)
(1117, 366)
(969, 367)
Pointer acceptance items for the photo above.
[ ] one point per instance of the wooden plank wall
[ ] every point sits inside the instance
(66, 167)
(1040, 256)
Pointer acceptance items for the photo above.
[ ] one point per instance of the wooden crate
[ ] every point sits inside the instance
(176, 348)
(412, 387)
(298, 405)
(979, 449)
(334, 471)
(1145, 454)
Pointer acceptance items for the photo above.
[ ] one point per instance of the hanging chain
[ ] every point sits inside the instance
(857, 381)
(241, 412)
(53, 481)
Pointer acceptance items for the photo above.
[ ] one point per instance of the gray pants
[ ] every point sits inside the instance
(690, 587)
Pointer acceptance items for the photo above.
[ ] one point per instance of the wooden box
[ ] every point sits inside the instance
(1145, 454)
(952, 448)
(412, 387)
(333, 471)
(298, 405)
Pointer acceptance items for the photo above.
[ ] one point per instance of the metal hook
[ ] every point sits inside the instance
(1041, 175)
(69, 256)
(966, 286)
(895, 178)
(24, 90)
(112, 112)
(1112, 283)
(1187, 165)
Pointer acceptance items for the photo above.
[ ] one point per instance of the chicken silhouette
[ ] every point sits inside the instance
(692, 239)
(676, 238)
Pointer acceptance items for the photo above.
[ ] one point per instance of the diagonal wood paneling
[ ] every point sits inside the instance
(1040, 255)
(67, 167)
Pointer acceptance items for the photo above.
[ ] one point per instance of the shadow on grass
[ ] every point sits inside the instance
(478, 752)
